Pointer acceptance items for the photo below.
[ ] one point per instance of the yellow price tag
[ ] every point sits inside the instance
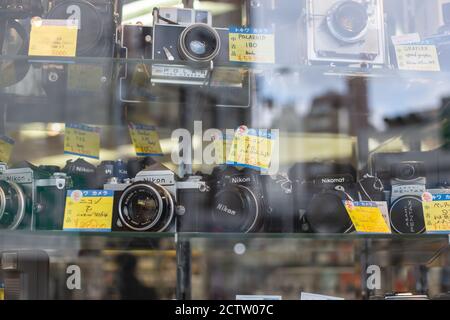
(88, 210)
(82, 140)
(417, 57)
(251, 148)
(145, 140)
(367, 217)
(436, 210)
(56, 38)
(6, 147)
(2, 293)
(251, 45)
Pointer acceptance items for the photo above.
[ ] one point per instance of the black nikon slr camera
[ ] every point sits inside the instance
(32, 197)
(240, 201)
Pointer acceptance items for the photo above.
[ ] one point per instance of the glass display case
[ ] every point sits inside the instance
(224, 149)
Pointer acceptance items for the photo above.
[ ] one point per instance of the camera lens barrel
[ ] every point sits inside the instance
(13, 207)
(145, 206)
(199, 43)
(348, 21)
(236, 209)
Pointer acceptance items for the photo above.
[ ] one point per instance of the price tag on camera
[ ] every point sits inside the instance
(417, 57)
(145, 140)
(82, 140)
(251, 45)
(367, 217)
(57, 38)
(6, 147)
(436, 210)
(251, 148)
(88, 210)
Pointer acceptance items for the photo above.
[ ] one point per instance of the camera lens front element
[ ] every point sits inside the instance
(348, 21)
(236, 209)
(146, 206)
(199, 42)
(407, 172)
(12, 208)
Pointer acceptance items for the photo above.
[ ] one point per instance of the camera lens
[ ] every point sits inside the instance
(146, 207)
(327, 214)
(406, 215)
(348, 21)
(12, 205)
(407, 172)
(236, 209)
(199, 43)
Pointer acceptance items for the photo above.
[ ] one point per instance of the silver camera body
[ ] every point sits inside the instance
(346, 32)
(30, 201)
(184, 16)
(145, 203)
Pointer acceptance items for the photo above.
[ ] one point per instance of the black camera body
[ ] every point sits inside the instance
(319, 191)
(233, 200)
(145, 204)
(20, 9)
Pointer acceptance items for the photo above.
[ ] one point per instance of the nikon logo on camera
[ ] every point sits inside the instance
(333, 180)
(225, 209)
(156, 180)
(240, 180)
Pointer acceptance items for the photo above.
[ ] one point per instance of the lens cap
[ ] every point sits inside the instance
(235, 209)
(326, 213)
(406, 215)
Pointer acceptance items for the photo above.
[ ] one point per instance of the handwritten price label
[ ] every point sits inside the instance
(436, 210)
(82, 140)
(251, 45)
(417, 57)
(367, 217)
(56, 38)
(145, 140)
(6, 147)
(88, 210)
(251, 148)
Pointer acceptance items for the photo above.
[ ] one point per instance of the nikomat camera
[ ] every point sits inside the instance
(32, 197)
(147, 203)
(319, 191)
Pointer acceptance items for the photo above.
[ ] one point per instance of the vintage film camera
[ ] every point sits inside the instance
(186, 51)
(97, 21)
(32, 197)
(233, 200)
(406, 175)
(146, 204)
(345, 32)
(319, 191)
(408, 183)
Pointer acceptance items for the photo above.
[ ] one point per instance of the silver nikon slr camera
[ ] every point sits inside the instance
(32, 197)
(145, 203)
